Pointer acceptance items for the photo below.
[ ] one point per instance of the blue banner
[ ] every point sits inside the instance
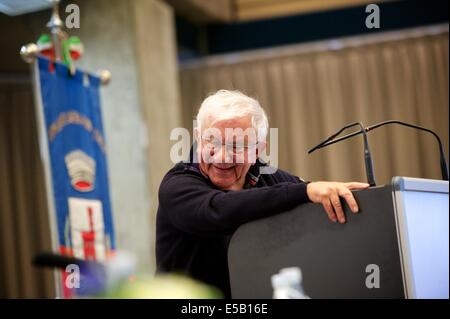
(73, 125)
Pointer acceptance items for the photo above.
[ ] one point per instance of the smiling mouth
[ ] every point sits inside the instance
(224, 167)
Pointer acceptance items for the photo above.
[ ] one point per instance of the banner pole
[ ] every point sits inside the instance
(55, 25)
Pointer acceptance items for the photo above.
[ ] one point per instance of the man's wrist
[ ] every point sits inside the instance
(297, 193)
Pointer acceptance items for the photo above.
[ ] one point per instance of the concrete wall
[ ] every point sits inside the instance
(159, 87)
(107, 32)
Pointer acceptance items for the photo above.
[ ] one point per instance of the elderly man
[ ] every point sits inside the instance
(201, 203)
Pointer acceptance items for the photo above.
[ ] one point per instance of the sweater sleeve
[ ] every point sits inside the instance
(195, 207)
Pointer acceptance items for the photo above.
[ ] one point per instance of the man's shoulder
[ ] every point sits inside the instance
(177, 168)
(182, 169)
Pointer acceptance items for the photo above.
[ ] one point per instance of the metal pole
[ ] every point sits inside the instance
(55, 25)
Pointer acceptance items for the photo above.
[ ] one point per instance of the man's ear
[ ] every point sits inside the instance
(197, 136)
(196, 133)
(261, 147)
(196, 145)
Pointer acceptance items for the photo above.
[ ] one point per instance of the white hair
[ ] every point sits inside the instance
(225, 105)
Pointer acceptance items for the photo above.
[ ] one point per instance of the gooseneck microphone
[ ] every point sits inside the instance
(367, 155)
(321, 144)
(443, 162)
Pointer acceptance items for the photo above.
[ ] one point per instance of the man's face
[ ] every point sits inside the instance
(225, 157)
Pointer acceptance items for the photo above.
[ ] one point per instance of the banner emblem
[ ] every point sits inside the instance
(81, 169)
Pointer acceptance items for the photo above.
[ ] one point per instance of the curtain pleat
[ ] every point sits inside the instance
(24, 228)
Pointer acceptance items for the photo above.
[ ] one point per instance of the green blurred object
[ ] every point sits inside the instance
(170, 286)
(72, 49)
(44, 42)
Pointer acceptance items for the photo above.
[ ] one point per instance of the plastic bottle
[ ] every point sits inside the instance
(287, 284)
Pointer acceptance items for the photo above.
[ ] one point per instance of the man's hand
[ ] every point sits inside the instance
(328, 193)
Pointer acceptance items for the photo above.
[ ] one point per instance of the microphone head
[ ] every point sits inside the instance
(51, 260)
(92, 275)
(95, 278)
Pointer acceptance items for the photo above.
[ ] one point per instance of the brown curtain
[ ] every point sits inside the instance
(24, 228)
(312, 91)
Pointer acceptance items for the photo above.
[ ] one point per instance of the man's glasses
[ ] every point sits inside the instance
(236, 148)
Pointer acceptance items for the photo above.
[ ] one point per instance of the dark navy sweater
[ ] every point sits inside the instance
(195, 220)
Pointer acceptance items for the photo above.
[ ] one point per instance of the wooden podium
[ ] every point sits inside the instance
(401, 230)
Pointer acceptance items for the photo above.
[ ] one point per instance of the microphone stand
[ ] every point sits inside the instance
(443, 162)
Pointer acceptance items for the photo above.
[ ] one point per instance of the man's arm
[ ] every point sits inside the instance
(196, 208)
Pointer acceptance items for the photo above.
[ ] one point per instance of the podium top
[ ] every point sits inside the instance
(400, 183)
